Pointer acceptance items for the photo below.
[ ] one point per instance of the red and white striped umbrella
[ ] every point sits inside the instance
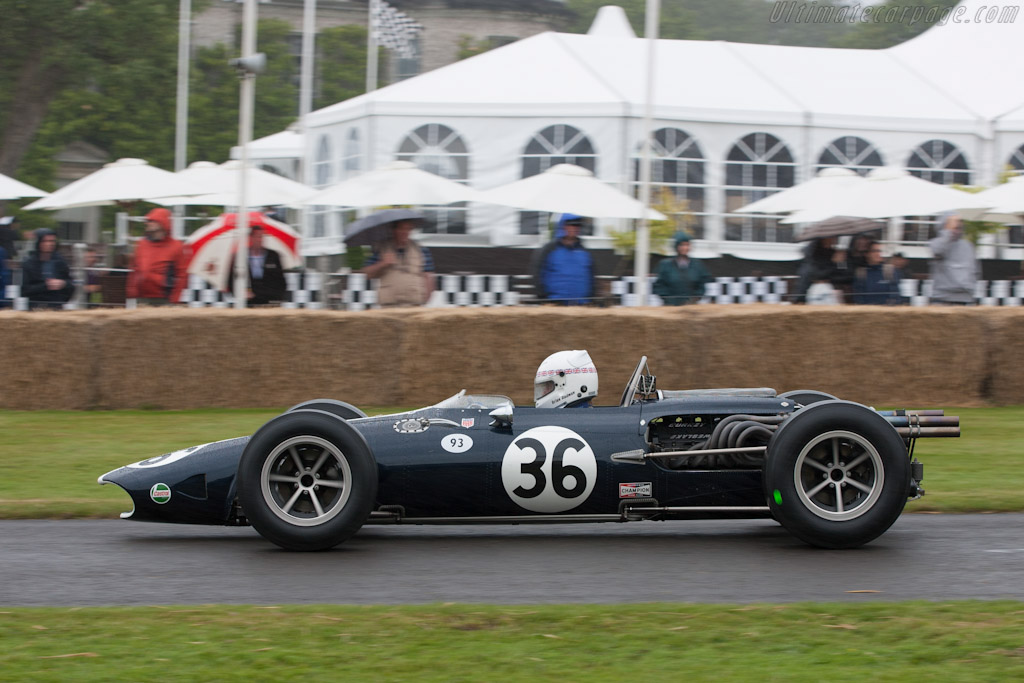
(213, 246)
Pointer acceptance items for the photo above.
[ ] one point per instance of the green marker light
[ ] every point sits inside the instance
(778, 497)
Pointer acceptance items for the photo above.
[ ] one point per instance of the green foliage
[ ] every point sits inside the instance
(973, 230)
(896, 24)
(340, 64)
(679, 219)
(743, 21)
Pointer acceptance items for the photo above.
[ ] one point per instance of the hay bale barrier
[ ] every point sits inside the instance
(194, 358)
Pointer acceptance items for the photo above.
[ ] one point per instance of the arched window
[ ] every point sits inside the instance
(1016, 162)
(756, 166)
(558, 144)
(677, 165)
(440, 150)
(351, 155)
(322, 177)
(849, 151)
(940, 162)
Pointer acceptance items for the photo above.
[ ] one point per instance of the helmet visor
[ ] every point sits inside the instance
(542, 389)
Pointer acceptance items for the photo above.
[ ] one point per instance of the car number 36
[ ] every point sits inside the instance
(549, 469)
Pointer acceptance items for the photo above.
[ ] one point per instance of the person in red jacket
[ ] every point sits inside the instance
(158, 264)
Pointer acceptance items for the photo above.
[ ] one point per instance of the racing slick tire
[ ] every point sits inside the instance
(345, 411)
(836, 474)
(307, 480)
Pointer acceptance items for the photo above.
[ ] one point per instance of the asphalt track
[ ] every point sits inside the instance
(115, 562)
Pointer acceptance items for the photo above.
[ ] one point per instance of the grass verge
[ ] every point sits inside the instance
(49, 461)
(962, 641)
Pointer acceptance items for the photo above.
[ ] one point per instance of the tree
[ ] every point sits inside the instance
(341, 64)
(896, 23)
(50, 46)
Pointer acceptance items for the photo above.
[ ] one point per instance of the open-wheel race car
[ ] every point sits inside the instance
(835, 474)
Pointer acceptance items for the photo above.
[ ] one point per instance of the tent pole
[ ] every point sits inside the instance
(642, 254)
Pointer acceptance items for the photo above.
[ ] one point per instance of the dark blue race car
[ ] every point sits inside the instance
(836, 474)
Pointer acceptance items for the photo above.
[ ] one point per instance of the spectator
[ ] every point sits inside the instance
(158, 264)
(823, 268)
(45, 275)
(563, 270)
(266, 275)
(5, 277)
(405, 269)
(876, 283)
(954, 269)
(92, 277)
(9, 236)
(681, 280)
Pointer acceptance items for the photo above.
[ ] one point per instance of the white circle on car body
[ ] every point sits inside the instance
(549, 469)
(457, 443)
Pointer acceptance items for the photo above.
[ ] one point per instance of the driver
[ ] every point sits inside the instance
(566, 379)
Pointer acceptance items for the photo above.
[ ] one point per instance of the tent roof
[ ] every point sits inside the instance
(974, 55)
(288, 144)
(557, 74)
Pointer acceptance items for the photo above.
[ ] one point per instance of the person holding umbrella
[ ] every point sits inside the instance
(404, 268)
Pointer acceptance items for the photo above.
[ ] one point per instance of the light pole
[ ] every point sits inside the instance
(248, 65)
(642, 255)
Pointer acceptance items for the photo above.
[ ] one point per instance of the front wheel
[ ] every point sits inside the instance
(837, 474)
(307, 480)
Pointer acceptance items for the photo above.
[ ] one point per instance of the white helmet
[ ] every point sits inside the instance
(563, 378)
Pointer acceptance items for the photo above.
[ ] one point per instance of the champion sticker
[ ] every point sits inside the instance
(468, 422)
(636, 490)
(160, 493)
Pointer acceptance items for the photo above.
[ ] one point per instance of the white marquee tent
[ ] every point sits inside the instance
(735, 121)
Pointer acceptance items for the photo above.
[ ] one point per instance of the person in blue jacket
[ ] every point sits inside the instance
(563, 270)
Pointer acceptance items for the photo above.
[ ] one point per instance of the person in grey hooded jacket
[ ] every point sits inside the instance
(954, 269)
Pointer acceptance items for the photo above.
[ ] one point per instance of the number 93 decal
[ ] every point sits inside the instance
(549, 469)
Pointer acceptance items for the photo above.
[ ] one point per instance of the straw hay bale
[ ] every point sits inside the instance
(1006, 363)
(182, 358)
(187, 358)
(917, 357)
(498, 350)
(47, 360)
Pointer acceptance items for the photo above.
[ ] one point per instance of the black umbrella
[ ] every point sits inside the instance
(376, 227)
(839, 225)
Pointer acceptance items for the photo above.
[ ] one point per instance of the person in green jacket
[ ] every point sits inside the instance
(681, 279)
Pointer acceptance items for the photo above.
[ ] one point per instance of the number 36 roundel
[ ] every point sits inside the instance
(549, 469)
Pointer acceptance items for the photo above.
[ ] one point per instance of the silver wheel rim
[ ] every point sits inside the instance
(839, 475)
(305, 480)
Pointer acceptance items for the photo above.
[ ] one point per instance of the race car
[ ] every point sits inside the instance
(834, 473)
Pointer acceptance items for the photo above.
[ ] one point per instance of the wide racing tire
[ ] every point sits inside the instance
(836, 474)
(307, 480)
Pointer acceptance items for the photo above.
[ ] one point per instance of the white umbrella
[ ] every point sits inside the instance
(399, 182)
(823, 189)
(213, 246)
(220, 183)
(15, 189)
(124, 180)
(566, 188)
(886, 193)
(1005, 202)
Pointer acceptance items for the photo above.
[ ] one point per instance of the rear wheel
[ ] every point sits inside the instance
(307, 480)
(836, 474)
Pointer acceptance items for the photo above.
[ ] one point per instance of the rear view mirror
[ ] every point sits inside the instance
(502, 417)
